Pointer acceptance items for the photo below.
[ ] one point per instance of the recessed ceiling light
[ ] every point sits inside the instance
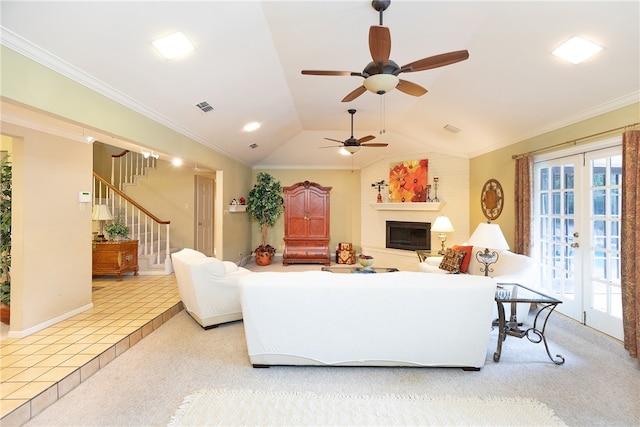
(177, 162)
(173, 46)
(250, 127)
(576, 50)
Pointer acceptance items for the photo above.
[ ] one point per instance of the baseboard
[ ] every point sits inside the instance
(25, 332)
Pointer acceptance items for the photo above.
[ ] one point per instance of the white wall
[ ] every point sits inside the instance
(453, 189)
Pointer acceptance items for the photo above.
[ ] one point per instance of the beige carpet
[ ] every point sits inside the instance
(220, 407)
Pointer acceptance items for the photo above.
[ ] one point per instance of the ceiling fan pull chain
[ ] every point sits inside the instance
(383, 109)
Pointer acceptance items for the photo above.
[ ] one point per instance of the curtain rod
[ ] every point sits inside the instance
(574, 141)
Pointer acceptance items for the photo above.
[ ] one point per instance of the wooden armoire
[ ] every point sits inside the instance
(306, 224)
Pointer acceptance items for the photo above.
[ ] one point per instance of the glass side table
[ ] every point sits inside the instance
(354, 269)
(513, 293)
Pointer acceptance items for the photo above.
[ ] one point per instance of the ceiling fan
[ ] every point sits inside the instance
(352, 145)
(381, 74)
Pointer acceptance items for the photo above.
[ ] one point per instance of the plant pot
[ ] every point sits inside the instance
(263, 258)
(5, 313)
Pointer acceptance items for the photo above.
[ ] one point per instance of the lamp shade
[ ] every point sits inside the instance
(489, 236)
(381, 83)
(101, 213)
(442, 225)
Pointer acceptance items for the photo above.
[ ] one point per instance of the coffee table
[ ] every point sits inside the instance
(357, 269)
(514, 293)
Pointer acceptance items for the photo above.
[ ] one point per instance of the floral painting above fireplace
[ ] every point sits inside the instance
(408, 181)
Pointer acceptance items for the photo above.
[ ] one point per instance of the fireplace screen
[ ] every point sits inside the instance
(408, 235)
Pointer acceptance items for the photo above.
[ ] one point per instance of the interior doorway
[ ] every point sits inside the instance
(204, 204)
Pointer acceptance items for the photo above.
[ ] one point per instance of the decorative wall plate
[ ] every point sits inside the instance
(491, 199)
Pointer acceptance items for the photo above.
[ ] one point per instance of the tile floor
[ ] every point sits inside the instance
(38, 369)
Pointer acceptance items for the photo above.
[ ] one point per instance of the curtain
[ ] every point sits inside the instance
(630, 240)
(524, 168)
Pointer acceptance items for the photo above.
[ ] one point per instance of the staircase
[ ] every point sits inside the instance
(152, 233)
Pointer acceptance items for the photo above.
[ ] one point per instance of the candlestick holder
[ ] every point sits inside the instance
(435, 189)
(429, 193)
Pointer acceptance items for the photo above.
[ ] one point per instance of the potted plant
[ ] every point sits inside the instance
(265, 204)
(117, 230)
(5, 239)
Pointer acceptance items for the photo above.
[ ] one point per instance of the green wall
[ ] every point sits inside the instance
(29, 83)
(499, 164)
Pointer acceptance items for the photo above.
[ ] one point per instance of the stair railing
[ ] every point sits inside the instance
(128, 165)
(149, 230)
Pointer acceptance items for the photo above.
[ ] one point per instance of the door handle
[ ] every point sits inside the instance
(575, 245)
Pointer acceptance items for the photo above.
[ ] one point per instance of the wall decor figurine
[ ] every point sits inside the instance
(379, 185)
(492, 199)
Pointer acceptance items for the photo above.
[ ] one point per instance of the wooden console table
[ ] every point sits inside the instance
(115, 257)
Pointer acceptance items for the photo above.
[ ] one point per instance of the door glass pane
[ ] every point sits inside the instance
(555, 203)
(555, 173)
(599, 172)
(568, 203)
(616, 170)
(599, 202)
(544, 203)
(568, 176)
(616, 202)
(544, 179)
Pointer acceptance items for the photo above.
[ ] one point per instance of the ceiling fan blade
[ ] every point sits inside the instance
(380, 44)
(374, 144)
(331, 73)
(334, 140)
(354, 94)
(437, 61)
(333, 146)
(366, 138)
(411, 88)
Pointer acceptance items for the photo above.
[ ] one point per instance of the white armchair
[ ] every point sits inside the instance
(208, 287)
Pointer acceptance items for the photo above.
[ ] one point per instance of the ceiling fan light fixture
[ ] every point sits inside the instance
(349, 149)
(381, 83)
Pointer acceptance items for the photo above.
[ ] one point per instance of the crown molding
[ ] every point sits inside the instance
(606, 107)
(34, 52)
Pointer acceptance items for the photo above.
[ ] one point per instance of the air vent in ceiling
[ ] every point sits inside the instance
(452, 129)
(254, 145)
(204, 107)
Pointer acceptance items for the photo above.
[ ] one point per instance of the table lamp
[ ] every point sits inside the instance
(101, 213)
(488, 236)
(442, 225)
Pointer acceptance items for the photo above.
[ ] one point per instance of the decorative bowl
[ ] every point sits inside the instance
(366, 262)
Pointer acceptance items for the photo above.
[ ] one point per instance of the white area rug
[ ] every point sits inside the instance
(274, 408)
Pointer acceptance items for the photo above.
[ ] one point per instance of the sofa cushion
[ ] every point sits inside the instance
(452, 260)
(468, 253)
(208, 267)
(230, 267)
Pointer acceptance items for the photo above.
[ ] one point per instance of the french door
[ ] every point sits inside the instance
(577, 207)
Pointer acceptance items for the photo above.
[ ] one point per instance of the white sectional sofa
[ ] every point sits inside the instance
(208, 287)
(382, 319)
(510, 268)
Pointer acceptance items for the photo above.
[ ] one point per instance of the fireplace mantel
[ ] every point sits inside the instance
(414, 206)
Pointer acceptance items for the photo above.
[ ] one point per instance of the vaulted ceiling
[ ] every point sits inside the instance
(249, 55)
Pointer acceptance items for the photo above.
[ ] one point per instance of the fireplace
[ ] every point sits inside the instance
(408, 235)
